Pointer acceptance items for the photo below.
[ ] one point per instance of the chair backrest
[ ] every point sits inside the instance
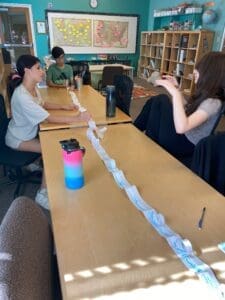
(3, 121)
(26, 253)
(81, 68)
(220, 115)
(108, 74)
(123, 92)
(209, 160)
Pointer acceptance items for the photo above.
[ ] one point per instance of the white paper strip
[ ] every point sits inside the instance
(77, 102)
(182, 247)
(136, 198)
(100, 132)
(120, 179)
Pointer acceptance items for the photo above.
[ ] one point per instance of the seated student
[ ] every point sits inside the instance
(28, 110)
(178, 125)
(59, 74)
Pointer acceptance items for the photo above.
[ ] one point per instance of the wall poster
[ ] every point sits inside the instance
(78, 32)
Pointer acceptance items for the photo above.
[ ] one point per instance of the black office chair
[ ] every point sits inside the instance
(81, 68)
(13, 161)
(187, 161)
(221, 115)
(209, 161)
(123, 92)
(108, 75)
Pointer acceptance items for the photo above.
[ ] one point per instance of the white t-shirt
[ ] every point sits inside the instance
(27, 113)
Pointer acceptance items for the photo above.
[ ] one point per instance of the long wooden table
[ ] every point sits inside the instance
(89, 98)
(104, 244)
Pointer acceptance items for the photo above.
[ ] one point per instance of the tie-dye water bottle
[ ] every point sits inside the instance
(73, 163)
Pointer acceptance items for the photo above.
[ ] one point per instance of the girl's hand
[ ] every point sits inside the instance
(172, 79)
(168, 84)
(69, 107)
(84, 116)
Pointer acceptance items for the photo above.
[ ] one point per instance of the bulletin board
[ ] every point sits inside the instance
(78, 32)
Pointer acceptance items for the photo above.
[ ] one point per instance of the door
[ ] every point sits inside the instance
(15, 39)
(15, 31)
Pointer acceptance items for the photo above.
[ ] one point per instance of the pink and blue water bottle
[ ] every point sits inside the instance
(73, 163)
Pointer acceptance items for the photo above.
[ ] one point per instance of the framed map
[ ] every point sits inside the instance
(78, 32)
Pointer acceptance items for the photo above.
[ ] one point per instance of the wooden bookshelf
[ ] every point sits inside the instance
(174, 53)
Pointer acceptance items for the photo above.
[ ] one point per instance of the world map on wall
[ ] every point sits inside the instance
(79, 32)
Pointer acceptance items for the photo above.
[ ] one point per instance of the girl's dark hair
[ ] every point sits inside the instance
(24, 61)
(211, 82)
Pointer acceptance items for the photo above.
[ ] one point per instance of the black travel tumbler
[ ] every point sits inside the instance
(110, 101)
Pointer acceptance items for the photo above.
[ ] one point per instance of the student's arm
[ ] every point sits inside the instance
(84, 116)
(49, 106)
(52, 84)
(182, 122)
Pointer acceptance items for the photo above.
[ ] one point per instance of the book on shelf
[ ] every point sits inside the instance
(184, 41)
(179, 70)
(152, 64)
(181, 55)
(159, 52)
(146, 73)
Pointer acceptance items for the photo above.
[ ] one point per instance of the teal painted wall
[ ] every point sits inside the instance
(217, 27)
(105, 6)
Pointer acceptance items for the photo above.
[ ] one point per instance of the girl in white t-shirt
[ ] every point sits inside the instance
(29, 110)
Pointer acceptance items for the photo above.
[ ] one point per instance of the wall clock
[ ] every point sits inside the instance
(93, 3)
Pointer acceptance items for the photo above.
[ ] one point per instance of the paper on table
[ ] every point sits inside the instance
(182, 247)
(110, 165)
(136, 198)
(99, 131)
(76, 102)
(120, 179)
(96, 144)
(158, 222)
(209, 278)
